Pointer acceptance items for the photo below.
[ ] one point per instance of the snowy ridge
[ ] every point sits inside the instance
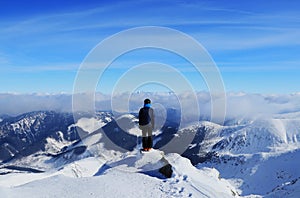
(205, 181)
(187, 181)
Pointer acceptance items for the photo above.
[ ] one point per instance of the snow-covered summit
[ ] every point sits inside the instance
(92, 177)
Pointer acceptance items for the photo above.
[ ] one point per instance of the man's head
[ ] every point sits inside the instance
(147, 101)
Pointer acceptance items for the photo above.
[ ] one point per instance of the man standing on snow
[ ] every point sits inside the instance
(146, 124)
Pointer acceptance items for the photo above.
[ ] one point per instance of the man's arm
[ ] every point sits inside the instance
(140, 116)
(152, 118)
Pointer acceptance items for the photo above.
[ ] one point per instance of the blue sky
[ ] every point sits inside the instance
(255, 44)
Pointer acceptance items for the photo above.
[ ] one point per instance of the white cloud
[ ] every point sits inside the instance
(14, 104)
(239, 105)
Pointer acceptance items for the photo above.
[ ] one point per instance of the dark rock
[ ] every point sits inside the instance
(166, 170)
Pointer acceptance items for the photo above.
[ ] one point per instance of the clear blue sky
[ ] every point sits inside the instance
(254, 43)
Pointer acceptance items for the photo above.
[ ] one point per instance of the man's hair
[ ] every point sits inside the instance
(147, 101)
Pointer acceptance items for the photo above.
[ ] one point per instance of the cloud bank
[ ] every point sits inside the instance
(238, 105)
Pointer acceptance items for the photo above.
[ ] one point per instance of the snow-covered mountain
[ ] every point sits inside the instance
(252, 158)
(257, 157)
(26, 134)
(47, 131)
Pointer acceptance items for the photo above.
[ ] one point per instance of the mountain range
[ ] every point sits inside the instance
(251, 158)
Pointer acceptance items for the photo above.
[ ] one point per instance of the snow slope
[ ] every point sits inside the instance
(91, 124)
(86, 178)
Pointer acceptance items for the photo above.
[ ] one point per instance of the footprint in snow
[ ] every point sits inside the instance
(185, 177)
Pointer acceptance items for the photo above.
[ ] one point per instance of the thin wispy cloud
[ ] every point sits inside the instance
(58, 40)
(91, 19)
(281, 67)
(4, 59)
(42, 68)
